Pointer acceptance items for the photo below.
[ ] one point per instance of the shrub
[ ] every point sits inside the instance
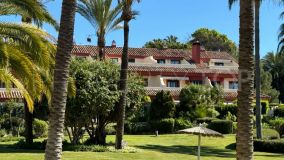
(2, 132)
(279, 112)
(274, 146)
(222, 126)
(110, 130)
(40, 128)
(35, 145)
(205, 120)
(224, 109)
(85, 148)
(140, 128)
(181, 123)
(268, 134)
(162, 106)
(163, 126)
(278, 125)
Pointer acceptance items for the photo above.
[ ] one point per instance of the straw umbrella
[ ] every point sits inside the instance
(201, 131)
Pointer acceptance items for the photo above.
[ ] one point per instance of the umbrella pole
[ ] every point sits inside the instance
(199, 141)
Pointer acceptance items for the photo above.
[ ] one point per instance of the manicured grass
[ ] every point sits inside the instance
(164, 147)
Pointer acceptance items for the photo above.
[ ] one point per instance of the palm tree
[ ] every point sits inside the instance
(53, 149)
(246, 79)
(30, 10)
(257, 66)
(273, 63)
(127, 15)
(102, 17)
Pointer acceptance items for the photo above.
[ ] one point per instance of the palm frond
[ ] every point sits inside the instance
(28, 8)
(7, 77)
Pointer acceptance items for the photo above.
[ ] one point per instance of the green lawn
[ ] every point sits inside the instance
(164, 147)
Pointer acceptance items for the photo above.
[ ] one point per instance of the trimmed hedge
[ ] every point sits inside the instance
(205, 120)
(279, 112)
(273, 146)
(182, 124)
(163, 126)
(224, 109)
(40, 128)
(137, 128)
(222, 126)
(281, 130)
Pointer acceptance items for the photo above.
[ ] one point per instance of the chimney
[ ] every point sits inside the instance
(196, 52)
(113, 44)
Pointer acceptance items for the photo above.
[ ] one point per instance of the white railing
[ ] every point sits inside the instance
(163, 65)
(225, 67)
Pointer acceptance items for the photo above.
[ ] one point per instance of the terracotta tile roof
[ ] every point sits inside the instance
(12, 94)
(145, 52)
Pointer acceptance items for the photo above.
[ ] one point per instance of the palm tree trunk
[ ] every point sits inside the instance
(123, 88)
(53, 149)
(257, 72)
(101, 45)
(28, 124)
(245, 92)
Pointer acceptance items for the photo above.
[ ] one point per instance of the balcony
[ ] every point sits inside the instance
(163, 65)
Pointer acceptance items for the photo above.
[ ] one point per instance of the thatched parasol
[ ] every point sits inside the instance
(201, 131)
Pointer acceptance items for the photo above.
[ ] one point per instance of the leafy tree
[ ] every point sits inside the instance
(212, 40)
(57, 110)
(197, 101)
(97, 96)
(168, 42)
(127, 15)
(102, 17)
(266, 86)
(162, 106)
(273, 63)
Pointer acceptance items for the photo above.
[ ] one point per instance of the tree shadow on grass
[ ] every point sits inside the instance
(192, 150)
(10, 148)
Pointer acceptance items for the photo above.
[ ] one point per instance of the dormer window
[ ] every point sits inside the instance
(161, 61)
(132, 60)
(175, 61)
(219, 64)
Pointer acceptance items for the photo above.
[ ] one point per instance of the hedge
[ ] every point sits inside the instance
(224, 109)
(163, 126)
(182, 124)
(205, 120)
(273, 146)
(279, 112)
(222, 126)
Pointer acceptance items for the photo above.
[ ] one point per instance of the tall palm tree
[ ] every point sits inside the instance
(102, 17)
(53, 149)
(257, 66)
(127, 15)
(246, 79)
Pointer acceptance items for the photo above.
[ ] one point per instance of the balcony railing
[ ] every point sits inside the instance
(163, 65)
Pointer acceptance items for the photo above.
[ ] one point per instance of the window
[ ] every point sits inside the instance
(131, 60)
(145, 82)
(219, 64)
(2, 85)
(233, 85)
(161, 61)
(175, 61)
(114, 60)
(215, 83)
(173, 83)
(196, 81)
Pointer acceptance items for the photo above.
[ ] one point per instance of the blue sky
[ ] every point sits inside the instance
(160, 18)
